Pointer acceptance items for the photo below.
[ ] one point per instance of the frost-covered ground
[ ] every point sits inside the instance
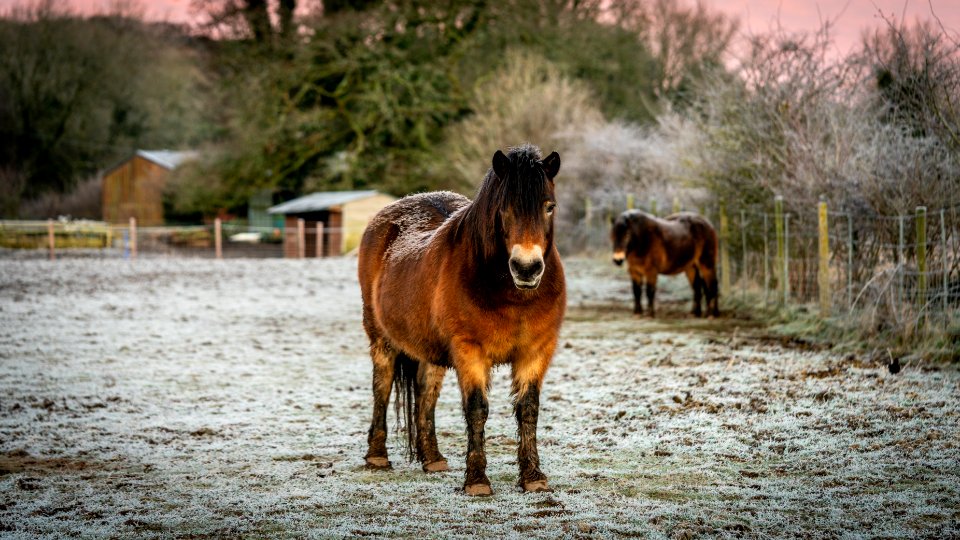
(167, 397)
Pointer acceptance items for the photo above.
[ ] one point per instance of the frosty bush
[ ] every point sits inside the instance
(529, 99)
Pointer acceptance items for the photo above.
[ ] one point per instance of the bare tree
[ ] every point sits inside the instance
(686, 39)
(917, 77)
(250, 19)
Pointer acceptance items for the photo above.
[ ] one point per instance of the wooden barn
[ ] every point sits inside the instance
(344, 215)
(134, 188)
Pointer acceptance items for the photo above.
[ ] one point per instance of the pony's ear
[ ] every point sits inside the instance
(501, 165)
(551, 165)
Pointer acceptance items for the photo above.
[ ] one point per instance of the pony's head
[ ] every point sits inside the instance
(622, 232)
(515, 208)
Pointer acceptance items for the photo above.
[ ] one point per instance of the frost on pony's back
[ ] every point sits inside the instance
(415, 218)
(453, 283)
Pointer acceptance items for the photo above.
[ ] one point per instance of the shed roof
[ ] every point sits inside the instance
(316, 202)
(168, 159)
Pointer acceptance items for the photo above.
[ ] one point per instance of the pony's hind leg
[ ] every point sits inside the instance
(696, 283)
(383, 370)
(429, 381)
(712, 291)
(527, 380)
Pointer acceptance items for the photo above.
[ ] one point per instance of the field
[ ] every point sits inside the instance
(202, 398)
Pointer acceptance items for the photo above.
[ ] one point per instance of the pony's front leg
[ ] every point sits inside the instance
(473, 374)
(527, 380)
(637, 297)
(651, 279)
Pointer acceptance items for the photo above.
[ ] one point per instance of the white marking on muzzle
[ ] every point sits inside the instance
(525, 256)
(619, 256)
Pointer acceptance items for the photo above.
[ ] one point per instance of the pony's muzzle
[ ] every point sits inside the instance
(618, 257)
(526, 266)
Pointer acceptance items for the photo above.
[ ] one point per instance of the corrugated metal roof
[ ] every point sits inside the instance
(168, 158)
(315, 202)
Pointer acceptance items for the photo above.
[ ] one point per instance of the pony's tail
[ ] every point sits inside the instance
(710, 246)
(404, 381)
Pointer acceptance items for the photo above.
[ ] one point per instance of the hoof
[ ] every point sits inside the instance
(436, 466)
(537, 486)
(378, 463)
(478, 490)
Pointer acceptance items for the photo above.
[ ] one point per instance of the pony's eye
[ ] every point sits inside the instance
(550, 208)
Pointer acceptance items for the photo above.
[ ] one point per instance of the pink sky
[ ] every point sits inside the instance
(850, 17)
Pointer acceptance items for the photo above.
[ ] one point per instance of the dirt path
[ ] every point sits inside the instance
(206, 398)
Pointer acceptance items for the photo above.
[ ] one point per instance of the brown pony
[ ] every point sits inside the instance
(683, 242)
(447, 282)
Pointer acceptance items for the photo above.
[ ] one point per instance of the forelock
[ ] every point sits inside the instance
(527, 186)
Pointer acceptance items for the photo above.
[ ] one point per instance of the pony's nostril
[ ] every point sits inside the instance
(526, 270)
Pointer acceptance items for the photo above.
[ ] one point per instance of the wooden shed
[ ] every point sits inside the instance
(344, 215)
(134, 187)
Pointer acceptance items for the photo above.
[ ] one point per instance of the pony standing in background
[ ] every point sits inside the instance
(450, 283)
(683, 242)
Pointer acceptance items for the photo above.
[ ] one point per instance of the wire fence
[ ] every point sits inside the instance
(899, 270)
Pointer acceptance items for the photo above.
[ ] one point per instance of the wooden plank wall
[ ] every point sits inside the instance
(135, 189)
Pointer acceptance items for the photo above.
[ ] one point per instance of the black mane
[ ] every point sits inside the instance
(523, 190)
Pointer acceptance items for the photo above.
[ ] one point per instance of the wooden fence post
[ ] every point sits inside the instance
(786, 258)
(901, 263)
(823, 270)
(743, 252)
(849, 261)
(133, 238)
(301, 239)
(780, 262)
(766, 258)
(653, 206)
(218, 237)
(943, 258)
(676, 205)
(51, 239)
(319, 239)
(921, 249)
(629, 201)
(588, 218)
(724, 251)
